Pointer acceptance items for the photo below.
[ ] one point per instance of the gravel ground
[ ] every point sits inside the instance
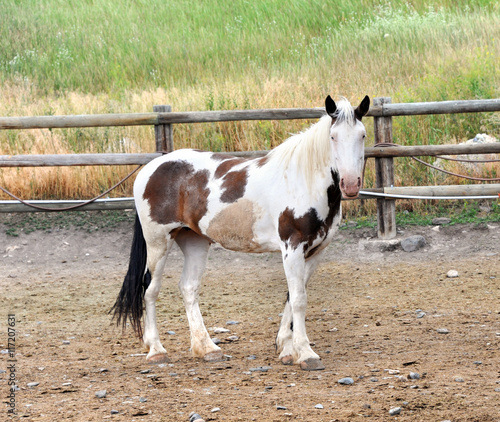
(406, 341)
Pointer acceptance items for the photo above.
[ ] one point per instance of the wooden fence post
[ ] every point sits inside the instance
(163, 133)
(386, 208)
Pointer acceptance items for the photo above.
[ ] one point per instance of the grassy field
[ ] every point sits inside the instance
(103, 56)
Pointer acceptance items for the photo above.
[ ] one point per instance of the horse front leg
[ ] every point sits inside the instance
(292, 337)
(284, 341)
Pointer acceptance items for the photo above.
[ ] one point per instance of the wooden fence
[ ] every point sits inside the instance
(163, 118)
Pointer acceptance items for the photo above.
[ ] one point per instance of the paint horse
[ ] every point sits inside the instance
(287, 201)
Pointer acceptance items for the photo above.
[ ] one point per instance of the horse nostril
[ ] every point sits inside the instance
(359, 182)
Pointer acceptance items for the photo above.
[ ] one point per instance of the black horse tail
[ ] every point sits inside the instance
(130, 301)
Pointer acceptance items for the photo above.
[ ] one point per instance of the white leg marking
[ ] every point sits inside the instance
(298, 272)
(195, 249)
(284, 342)
(157, 256)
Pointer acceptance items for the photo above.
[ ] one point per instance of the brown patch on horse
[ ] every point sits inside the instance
(232, 227)
(220, 157)
(227, 165)
(234, 185)
(178, 193)
(262, 161)
(306, 229)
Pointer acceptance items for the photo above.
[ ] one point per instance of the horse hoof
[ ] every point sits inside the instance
(287, 360)
(159, 358)
(216, 356)
(312, 365)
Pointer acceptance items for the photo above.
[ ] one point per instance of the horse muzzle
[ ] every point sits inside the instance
(350, 187)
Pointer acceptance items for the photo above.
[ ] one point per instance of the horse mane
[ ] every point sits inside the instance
(310, 151)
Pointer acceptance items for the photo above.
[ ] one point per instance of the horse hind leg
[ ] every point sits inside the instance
(195, 249)
(158, 248)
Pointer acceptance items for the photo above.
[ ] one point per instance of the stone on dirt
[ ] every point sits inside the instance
(260, 369)
(195, 417)
(346, 381)
(413, 243)
(439, 221)
(443, 331)
(101, 394)
(452, 274)
(414, 376)
(395, 411)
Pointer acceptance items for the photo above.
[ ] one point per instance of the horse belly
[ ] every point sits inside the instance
(233, 228)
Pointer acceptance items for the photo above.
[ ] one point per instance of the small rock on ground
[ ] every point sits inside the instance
(346, 381)
(452, 274)
(260, 369)
(439, 221)
(413, 243)
(395, 411)
(414, 376)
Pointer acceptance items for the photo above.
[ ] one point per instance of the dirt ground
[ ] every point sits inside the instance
(373, 316)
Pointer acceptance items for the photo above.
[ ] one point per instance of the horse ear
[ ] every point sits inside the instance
(330, 106)
(363, 108)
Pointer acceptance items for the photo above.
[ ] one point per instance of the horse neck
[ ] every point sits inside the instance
(306, 158)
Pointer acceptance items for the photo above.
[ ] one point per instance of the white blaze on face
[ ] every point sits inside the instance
(349, 149)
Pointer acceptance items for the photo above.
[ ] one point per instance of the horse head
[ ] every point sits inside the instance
(347, 135)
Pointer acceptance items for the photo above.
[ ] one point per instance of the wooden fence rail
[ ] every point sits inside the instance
(123, 159)
(162, 118)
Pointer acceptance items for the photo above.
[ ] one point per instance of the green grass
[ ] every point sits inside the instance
(88, 221)
(112, 46)
(459, 212)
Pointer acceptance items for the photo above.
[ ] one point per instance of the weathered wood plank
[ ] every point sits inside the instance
(85, 120)
(163, 132)
(432, 150)
(237, 115)
(441, 107)
(447, 190)
(137, 119)
(384, 169)
(49, 160)
(98, 205)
